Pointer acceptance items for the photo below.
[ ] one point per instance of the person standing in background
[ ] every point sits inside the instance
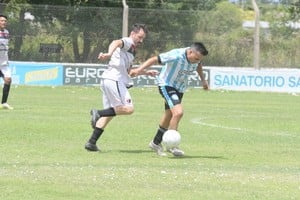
(5, 71)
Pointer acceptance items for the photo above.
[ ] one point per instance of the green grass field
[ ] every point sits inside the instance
(238, 145)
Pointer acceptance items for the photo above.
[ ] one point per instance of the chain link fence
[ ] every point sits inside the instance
(45, 33)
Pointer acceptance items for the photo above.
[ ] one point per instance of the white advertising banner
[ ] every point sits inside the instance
(248, 79)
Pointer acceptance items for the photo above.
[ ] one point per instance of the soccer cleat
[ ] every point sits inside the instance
(91, 147)
(176, 151)
(6, 106)
(157, 148)
(94, 118)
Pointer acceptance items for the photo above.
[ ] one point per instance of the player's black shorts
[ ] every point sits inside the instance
(171, 95)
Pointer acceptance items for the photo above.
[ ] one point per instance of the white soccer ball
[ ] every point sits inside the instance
(171, 139)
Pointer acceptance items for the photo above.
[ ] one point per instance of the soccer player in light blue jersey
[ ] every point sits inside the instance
(178, 64)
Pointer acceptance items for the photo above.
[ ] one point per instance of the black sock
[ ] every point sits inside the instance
(159, 134)
(5, 93)
(109, 112)
(95, 135)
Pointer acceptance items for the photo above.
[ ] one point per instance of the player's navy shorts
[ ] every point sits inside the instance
(171, 95)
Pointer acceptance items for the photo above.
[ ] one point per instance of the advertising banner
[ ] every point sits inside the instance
(247, 79)
(27, 73)
(82, 74)
(227, 78)
(90, 74)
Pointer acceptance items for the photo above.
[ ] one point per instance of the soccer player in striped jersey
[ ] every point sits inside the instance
(172, 83)
(115, 82)
(5, 71)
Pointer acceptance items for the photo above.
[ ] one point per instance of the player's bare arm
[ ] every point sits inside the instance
(141, 69)
(150, 72)
(202, 77)
(112, 47)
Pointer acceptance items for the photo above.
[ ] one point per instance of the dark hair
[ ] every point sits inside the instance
(137, 27)
(3, 16)
(199, 46)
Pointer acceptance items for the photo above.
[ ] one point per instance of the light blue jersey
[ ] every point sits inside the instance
(176, 69)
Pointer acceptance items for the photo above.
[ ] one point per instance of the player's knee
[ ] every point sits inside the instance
(124, 110)
(178, 114)
(7, 81)
(130, 110)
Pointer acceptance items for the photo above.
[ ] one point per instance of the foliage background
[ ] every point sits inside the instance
(84, 28)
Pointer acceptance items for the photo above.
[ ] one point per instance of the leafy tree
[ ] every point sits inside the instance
(53, 19)
(84, 28)
(78, 22)
(73, 20)
(294, 10)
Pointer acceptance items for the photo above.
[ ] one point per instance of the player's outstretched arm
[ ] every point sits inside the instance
(150, 72)
(141, 69)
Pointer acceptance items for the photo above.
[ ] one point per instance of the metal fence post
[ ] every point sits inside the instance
(256, 36)
(125, 19)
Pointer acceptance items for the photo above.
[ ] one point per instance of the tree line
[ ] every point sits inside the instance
(79, 30)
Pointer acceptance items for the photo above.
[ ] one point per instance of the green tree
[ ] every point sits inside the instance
(83, 25)
(79, 23)
(71, 19)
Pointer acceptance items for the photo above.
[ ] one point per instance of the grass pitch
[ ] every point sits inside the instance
(238, 145)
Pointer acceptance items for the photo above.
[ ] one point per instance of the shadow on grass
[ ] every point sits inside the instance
(138, 151)
(203, 157)
(135, 151)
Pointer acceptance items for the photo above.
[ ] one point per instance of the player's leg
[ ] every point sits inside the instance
(177, 113)
(6, 89)
(98, 129)
(6, 75)
(163, 126)
(97, 132)
(108, 111)
(155, 144)
(170, 119)
(116, 101)
(121, 100)
(173, 111)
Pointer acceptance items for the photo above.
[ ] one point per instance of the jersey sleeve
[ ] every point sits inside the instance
(170, 56)
(127, 43)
